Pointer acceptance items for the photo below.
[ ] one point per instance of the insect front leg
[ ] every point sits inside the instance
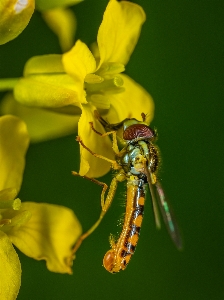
(105, 203)
(115, 165)
(114, 137)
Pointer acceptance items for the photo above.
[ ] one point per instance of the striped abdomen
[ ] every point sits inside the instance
(119, 256)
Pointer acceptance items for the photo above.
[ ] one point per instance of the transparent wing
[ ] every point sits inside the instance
(153, 197)
(154, 205)
(168, 216)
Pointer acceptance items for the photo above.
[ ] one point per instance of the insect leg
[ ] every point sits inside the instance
(114, 137)
(143, 116)
(102, 184)
(105, 204)
(113, 162)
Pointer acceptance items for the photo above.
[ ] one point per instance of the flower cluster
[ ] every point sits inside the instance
(80, 81)
(39, 230)
(63, 91)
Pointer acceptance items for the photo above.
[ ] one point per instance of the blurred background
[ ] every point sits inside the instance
(179, 60)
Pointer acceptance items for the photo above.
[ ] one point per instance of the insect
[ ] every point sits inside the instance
(136, 163)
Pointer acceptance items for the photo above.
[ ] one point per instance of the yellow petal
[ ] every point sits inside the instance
(90, 165)
(44, 64)
(14, 143)
(78, 62)
(119, 31)
(47, 91)
(63, 23)
(15, 16)
(52, 124)
(134, 101)
(8, 194)
(10, 275)
(49, 234)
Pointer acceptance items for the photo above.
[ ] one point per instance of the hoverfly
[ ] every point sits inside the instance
(137, 163)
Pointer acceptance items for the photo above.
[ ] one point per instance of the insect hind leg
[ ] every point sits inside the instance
(105, 204)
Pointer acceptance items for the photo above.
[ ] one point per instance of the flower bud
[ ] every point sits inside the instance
(14, 17)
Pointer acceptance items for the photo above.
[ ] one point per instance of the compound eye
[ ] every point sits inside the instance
(136, 131)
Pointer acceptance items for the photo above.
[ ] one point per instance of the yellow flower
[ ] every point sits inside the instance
(40, 230)
(82, 82)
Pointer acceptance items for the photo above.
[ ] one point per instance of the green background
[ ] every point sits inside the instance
(179, 59)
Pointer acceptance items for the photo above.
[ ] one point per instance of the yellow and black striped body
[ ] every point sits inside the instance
(137, 164)
(120, 254)
(133, 159)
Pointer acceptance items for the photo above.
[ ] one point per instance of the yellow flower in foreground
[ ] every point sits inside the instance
(83, 82)
(39, 230)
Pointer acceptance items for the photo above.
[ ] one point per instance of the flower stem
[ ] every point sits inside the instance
(8, 83)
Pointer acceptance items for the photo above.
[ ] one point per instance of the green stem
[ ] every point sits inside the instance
(8, 83)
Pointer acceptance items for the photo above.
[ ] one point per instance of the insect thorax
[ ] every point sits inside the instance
(137, 155)
(154, 158)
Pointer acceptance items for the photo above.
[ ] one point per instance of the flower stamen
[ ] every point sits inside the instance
(5, 222)
(113, 83)
(15, 204)
(110, 68)
(93, 78)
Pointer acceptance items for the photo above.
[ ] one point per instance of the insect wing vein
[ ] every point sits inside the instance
(168, 216)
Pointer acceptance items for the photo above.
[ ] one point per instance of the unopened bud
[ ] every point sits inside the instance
(14, 17)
